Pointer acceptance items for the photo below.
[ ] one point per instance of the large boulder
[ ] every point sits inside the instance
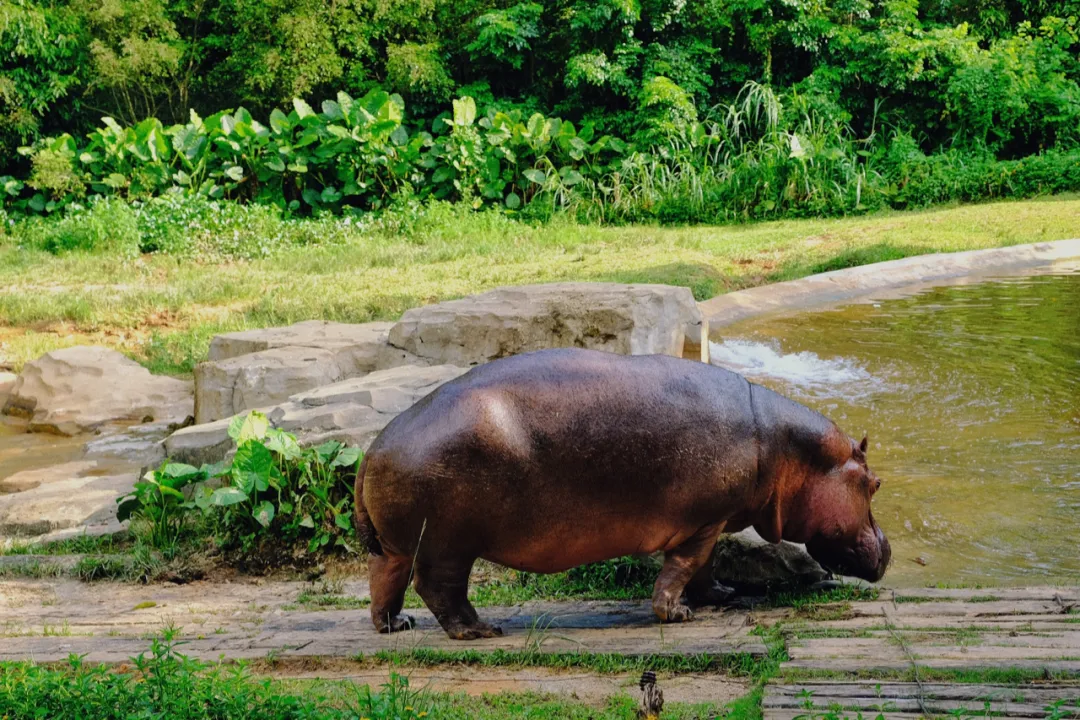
(259, 368)
(352, 411)
(752, 566)
(225, 388)
(80, 389)
(626, 319)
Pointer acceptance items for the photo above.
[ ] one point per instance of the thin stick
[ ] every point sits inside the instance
(705, 340)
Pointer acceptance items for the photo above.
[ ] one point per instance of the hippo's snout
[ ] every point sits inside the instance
(867, 558)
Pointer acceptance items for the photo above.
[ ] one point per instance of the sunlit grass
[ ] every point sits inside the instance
(163, 311)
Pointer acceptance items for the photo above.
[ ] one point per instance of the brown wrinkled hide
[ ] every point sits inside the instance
(553, 459)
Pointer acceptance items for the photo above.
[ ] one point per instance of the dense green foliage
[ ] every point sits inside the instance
(165, 683)
(270, 497)
(676, 110)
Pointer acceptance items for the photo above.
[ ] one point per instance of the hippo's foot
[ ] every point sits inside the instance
(476, 631)
(708, 596)
(678, 613)
(398, 623)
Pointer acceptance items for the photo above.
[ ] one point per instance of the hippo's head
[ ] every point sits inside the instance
(848, 541)
(829, 510)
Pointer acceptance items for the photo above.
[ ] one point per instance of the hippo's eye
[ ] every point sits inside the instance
(874, 482)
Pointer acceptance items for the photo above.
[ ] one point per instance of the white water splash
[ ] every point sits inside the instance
(805, 371)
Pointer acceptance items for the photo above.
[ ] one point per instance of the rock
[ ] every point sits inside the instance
(259, 368)
(80, 389)
(352, 411)
(30, 479)
(228, 387)
(77, 501)
(7, 382)
(753, 566)
(626, 319)
(357, 349)
(141, 445)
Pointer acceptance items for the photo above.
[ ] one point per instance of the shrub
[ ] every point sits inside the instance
(272, 496)
(105, 226)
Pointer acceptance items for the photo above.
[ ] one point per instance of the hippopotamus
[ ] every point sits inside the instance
(552, 459)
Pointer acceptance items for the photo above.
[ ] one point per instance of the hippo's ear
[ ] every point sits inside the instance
(859, 453)
(865, 442)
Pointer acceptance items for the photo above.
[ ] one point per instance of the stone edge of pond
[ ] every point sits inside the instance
(897, 277)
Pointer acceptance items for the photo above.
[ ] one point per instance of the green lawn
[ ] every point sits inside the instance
(163, 310)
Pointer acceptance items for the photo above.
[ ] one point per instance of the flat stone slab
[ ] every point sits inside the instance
(625, 319)
(904, 700)
(74, 498)
(360, 341)
(352, 411)
(243, 621)
(80, 389)
(1029, 628)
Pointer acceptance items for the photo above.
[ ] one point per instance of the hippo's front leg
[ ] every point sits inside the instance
(681, 564)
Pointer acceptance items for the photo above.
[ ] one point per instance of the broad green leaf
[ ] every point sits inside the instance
(225, 496)
(536, 176)
(264, 513)
(342, 521)
(279, 122)
(327, 450)
(307, 522)
(283, 443)
(171, 492)
(252, 426)
(513, 201)
(348, 457)
(464, 112)
(332, 110)
(303, 110)
(234, 173)
(252, 466)
(217, 469)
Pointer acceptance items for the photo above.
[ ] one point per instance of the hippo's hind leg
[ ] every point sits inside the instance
(681, 564)
(444, 587)
(389, 579)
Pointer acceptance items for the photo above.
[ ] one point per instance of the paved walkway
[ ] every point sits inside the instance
(47, 621)
(923, 631)
(863, 647)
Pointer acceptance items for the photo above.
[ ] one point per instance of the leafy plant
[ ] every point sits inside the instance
(272, 490)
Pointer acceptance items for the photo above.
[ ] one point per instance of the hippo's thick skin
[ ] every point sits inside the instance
(552, 459)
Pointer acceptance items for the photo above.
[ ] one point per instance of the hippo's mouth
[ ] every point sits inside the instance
(867, 559)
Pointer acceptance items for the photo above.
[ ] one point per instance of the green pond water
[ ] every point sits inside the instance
(971, 397)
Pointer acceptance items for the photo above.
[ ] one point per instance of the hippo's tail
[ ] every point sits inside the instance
(364, 529)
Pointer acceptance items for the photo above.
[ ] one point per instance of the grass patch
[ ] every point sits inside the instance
(739, 664)
(164, 683)
(808, 601)
(163, 311)
(34, 569)
(79, 545)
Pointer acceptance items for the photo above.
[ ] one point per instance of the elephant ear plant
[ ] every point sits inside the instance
(271, 490)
